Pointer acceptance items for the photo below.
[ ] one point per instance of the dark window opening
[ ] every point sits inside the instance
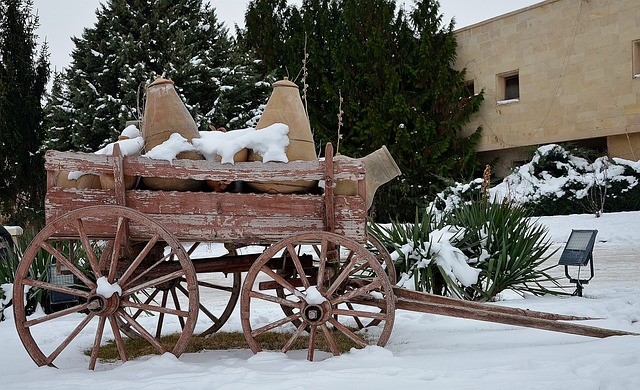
(511, 87)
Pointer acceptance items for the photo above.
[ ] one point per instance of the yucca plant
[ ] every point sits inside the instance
(511, 249)
(413, 249)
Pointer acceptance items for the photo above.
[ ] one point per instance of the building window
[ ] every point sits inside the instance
(469, 88)
(636, 59)
(508, 87)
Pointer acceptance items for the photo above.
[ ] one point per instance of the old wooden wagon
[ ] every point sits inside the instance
(127, 260)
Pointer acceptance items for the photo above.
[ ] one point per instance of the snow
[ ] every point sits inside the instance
(269, 142)
(106, 289)
(313, 296)
(424, 351)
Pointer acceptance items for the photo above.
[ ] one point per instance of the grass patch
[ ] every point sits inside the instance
(137, 347)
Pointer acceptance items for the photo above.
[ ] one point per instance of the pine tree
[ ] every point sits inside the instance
(131, 43)
(23, 77)
(393, 71)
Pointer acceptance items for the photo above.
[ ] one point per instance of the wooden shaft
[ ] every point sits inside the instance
(410, 295)
(488, 313)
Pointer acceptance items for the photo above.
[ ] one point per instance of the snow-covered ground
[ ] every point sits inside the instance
(425, 351)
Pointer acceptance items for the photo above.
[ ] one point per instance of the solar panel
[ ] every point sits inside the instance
(579, 248)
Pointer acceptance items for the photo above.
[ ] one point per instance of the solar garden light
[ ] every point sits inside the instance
(579, 252)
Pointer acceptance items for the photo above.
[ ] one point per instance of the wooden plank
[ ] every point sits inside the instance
(219, 217)
(204, 170)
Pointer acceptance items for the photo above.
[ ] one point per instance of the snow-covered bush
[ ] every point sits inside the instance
(474, 251)
(555, 182)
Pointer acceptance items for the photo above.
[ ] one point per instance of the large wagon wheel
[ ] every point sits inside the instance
(106, 248)
(382, 255)
(317, 297)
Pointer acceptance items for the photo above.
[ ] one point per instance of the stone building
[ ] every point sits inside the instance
(557, 71)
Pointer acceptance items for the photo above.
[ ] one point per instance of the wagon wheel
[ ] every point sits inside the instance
(382, 255)
(317, 297)
(171, 295)
(103, 257)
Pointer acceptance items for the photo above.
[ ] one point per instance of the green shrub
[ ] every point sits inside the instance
(499, 243)
(511, 249)
(412, 248)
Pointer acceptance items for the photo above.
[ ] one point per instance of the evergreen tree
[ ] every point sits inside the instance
(393, 71)
(132, 42)
(23, 77)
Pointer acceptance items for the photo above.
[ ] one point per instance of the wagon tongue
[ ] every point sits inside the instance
(429, 303)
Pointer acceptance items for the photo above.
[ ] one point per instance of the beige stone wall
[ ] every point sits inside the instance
(574, 60)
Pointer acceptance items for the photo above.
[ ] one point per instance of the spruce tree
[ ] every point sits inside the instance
(131, 43)
(394, 72)
(23, 77)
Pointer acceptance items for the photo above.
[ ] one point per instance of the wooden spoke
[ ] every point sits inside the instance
(121, 230)
(136, 262)
(165, 295)
(347, 332)
(49, 360)
(330, 340)
(70, 266)
(359, 313)
(96, 343)
(351, 260)
(364, 290)
(162, 309)
(275, 324)
(142, 331)
(176, 304)
(312, 342)
(56, 288)
(147, 270)
(118, 338)
(88, 249)
(150, 283)
(298, 265)
(53, 316)
(271, 298)
(287, 346)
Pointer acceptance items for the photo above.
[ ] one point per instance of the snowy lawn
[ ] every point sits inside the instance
(425, 351)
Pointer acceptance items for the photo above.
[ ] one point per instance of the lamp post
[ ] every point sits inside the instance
(579, 252)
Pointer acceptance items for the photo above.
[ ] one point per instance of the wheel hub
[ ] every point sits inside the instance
(316, 314)
(103, 306)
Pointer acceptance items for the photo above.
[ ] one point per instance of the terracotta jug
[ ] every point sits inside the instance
(380, 168)
(165, 114)
(285, 106)
(85, 181)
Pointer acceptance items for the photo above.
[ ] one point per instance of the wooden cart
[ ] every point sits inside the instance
(123, 255)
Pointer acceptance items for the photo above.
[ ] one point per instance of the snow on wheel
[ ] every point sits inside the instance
(114, 255)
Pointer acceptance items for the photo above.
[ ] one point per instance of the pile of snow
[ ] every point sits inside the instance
(270, 143)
